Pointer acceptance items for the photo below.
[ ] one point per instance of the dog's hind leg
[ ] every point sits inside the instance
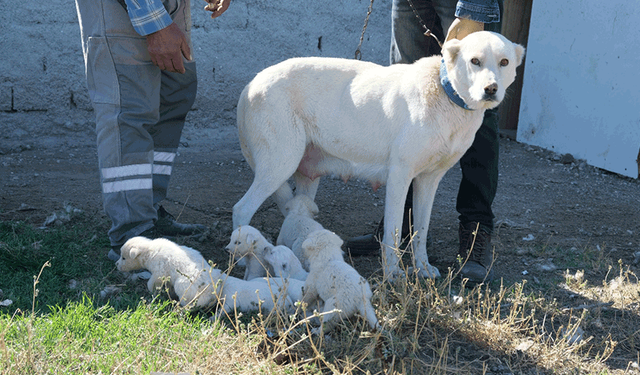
(269, 178)
(424, 191)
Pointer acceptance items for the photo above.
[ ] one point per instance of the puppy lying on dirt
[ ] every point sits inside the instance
(285, 263)
(335, 282)
(298, 223)
(393, 125)
(184, 269)
(248, 244)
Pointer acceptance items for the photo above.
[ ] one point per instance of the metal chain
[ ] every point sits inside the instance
(427, 32)
(364, 28)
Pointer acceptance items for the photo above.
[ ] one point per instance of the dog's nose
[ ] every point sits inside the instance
(491, 89)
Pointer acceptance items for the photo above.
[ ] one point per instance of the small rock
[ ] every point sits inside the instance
(6, 302)
(572, 338)
(567, 159)
(636, 257)
(72, 284)
(109, 290)
(529, 237)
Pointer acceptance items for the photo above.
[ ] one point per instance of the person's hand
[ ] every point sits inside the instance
(462, 27)
(216, 7)
(167, 47)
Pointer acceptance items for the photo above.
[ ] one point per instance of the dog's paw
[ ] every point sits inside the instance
(429, 271)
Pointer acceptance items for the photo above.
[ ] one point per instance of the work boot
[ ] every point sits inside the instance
(475, 253)
(369, 244)
(166, 225)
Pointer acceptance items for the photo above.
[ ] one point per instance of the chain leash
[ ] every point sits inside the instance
(427, 32)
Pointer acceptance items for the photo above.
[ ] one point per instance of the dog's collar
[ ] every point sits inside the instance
(446, 85)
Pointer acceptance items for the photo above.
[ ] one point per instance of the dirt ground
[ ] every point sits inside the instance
(544, 200)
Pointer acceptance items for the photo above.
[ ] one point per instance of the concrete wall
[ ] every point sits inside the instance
(581, 85)
(43, 99)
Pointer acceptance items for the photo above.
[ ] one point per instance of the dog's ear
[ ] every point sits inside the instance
(519, 53)
(450, 50)
(134, 252)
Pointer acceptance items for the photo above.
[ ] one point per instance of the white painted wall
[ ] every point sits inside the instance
(581, 92)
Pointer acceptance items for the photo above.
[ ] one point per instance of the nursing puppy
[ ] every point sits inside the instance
(335, 282)
(307, 117)
(298, 223)
(285, 263)
(184, 269)
(249, 245)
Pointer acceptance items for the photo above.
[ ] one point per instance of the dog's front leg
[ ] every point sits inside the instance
(424, 191)
(397, 187)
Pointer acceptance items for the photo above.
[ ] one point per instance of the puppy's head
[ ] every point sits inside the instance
(302, 205)
(481, 67)
(244, 240)
(323, 244)
(131, 254)
(279, 257)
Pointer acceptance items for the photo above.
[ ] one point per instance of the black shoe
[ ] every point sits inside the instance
(166, 225)
(363, 245)
(475, 254)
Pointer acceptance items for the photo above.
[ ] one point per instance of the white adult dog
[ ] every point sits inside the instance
(298, 223)
(307, 117)
(184, 269)
(343, 291)
(249, 245)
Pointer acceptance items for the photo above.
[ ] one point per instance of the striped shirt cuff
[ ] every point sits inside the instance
(148, 16)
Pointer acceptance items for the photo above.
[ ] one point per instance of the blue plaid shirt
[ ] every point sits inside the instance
(148, 16)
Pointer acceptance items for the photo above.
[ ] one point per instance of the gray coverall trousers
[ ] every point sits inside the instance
(139, 110)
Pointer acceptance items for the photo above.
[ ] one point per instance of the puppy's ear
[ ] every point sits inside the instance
(519, 53)
(313, 207)
(134, 252)
(450, 50)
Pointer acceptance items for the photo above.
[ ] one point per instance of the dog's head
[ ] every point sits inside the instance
(323, 245)
(131, 258)
(279, 257)
(481, 66)
(302, 205)
(244, 240)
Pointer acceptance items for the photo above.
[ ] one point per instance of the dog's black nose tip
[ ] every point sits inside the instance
(491, 89)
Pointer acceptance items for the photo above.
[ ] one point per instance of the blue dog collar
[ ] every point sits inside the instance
(446, 85)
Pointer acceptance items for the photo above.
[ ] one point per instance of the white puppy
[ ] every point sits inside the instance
(297, 224)
(285, 263)
(307, 117)
(335, 282)
(253, 295)
(184, 269)
(248, 244)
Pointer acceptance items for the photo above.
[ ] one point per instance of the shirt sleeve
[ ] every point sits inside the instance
(148, 16)
(485, 11)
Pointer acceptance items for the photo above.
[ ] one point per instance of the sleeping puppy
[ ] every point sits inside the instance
(394, 125)
(184, 269)
(249, 245)
(298, 223)
(335, 282)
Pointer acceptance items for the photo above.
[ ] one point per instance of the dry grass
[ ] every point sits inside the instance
(439, 326)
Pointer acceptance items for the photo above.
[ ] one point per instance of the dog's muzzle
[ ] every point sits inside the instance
(490, 93)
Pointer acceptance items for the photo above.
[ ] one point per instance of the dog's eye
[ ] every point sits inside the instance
(504, 62)
(475, 61)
